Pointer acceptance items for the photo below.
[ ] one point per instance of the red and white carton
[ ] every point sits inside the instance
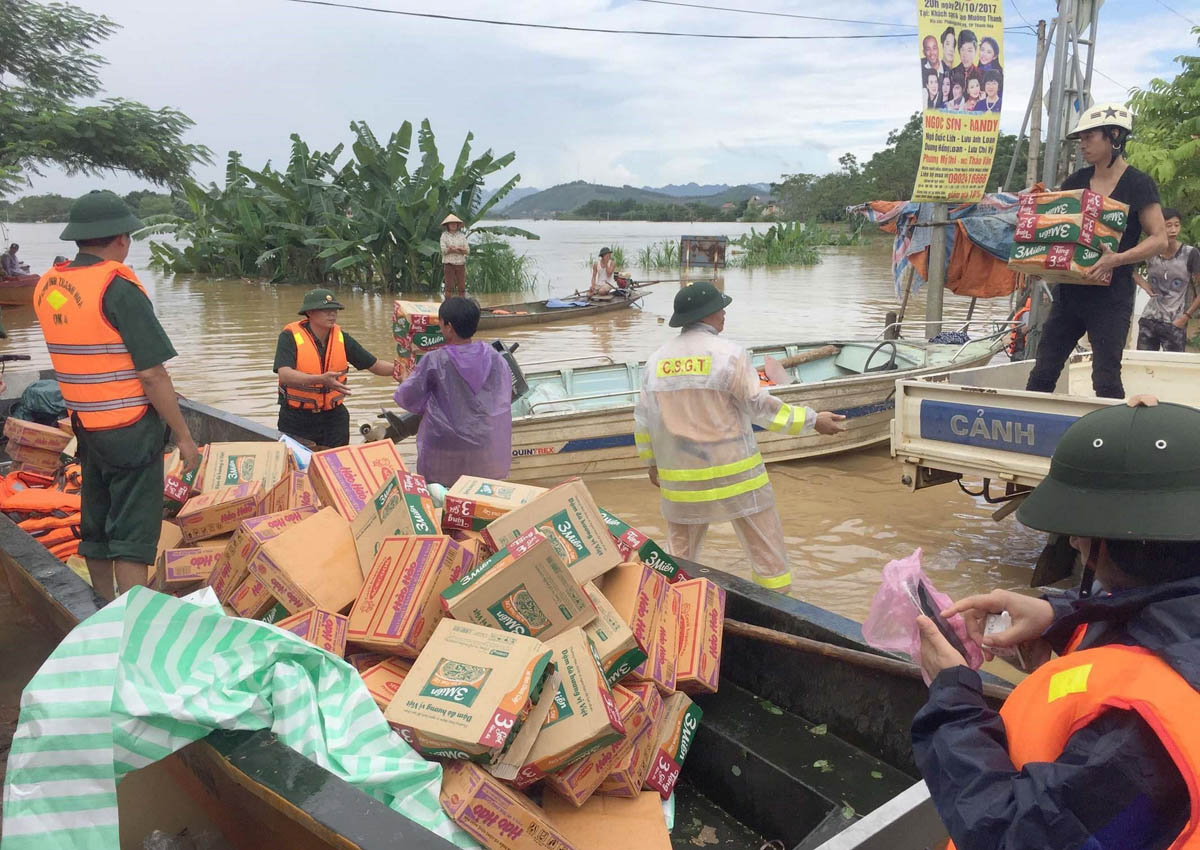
(325, 629)
(244, 546)
(701, 629)
(347, 478)
(218, 511)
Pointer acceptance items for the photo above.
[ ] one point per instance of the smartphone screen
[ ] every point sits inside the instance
(930, 610)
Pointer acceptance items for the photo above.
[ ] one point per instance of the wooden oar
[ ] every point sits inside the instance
(894, 666)
(807, 356)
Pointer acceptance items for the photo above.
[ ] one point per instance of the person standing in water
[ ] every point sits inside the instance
(454, 256)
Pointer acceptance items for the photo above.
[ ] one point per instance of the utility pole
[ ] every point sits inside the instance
(1035, 111)
(935, 288)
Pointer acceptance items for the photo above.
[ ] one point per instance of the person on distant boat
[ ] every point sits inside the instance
(1102, 312)
(463, 392)
(1096, 748)
(312, 358)
(454, 256)
(10, 265)
(990, 102)
(602, 275)
(694, 427)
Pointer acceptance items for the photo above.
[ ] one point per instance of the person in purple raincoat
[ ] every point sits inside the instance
(464, 393)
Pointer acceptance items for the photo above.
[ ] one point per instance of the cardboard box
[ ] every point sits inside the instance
(219, 511)
(1066, 228)
(244, 545)
(366, 659)
(292, 491)
(659, 666)
(229, 464)
(401, 507)
(65, 426)
(524, 589)
(494, 815)
(320, 628)
(584, 717)
(1083, 202)
(701, 630)
(569, 518)
(311, 564)
(346, 478)
(1059, 262)
(577, 781)
(34, 436)
(39, 460)
(473, 542)
(473, 502)
(636, 546)
(417, 331)
(169, 537)
(610, 823)
(184, 569)
(400, 602)
(469, 691)
(635, 591)
(676, 730)
(633, 764)
(384, 679)
(179, 486)
(251, 599)
(614, 641)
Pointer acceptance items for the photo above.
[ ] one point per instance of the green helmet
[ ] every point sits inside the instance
(98, 215)
(1123, 473)
(696, 302)
(320, 299)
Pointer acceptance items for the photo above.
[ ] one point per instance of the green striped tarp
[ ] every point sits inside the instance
(148, 675)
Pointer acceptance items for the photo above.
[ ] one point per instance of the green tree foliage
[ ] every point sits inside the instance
(1166, 140)
(373, 220)
(37, 208)
(46, 64)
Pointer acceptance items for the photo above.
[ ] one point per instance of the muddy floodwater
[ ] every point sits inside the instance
(845, 515)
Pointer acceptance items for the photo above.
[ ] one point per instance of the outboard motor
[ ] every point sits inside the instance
(520, 387)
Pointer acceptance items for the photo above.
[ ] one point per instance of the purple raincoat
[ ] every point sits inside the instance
(465, 394)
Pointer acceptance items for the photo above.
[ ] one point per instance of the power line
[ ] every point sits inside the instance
(775, 14)
(565, 28)
(1180, 14)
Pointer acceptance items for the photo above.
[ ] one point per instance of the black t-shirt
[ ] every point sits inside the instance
(1137, 189)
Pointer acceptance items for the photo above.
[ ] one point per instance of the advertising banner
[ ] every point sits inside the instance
(961, 44)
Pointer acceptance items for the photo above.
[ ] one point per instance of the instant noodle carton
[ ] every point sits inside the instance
(1066, 228)
(184, 569)
(579, 780)
(676, 731)
(400, 602)
(401, 507)
(34, 436)
(244, 546)
(701, 629)
(636, 546)
(320, 628)
(1081, 202)
(632, 766)
(311, 564)
(584, 717)
(614, 641)
(1056, 263)
(635, 592)
(240, 463)
(293, 490)
(384, 678)
(473, 502)
(611, 823)
(659, 666)
(36, 460)
(417, 330)
(252, 599)
(569, 518)
(470, 691)
(363, 660)
(524, 588)
(495, 815)
(347, 478)
(220, 511)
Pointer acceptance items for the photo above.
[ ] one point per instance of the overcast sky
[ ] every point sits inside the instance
(616, 109)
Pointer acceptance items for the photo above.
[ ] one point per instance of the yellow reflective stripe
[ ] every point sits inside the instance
(781, 418)
(714, 494)
(708, 473)
(299, 338)
(646, 454)
(1073, 680)
(773, 582)
(799, 414)
(642, 438)
(341, 337)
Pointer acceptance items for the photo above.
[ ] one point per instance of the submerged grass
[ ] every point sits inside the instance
(493, 266)
(787, 244)
(659, 255)
(618, 255)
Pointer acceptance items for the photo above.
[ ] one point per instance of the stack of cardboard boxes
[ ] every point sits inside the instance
(417, 331)
(36, 448)
(1060, 235)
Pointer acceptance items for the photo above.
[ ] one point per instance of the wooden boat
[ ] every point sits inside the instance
(790, 750)
(579, 420)
(17, 291)
(537, 313)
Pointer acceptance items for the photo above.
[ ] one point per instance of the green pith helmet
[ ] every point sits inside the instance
(98, 215)
(320, 299)
(1123, 473)
(697, 301)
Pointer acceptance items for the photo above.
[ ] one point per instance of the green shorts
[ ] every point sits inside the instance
(122, 508)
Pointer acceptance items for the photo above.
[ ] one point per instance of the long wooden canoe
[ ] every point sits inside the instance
(537, 313)
(791, 750)
(17, 291)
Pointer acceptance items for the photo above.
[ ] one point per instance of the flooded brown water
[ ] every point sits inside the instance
(845, 516)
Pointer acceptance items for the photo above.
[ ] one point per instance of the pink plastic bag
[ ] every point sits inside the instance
(891, 624)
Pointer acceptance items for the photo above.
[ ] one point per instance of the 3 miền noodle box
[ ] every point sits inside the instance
(632, 765)
(1081, 202)
(676, 731)
(239, 463)
(701, 629)
(1066, 228)
(473, 502)
(659, 666)
(245, 544)
(401, 507)
(569, 518)
(384, 679)
(417, 330)
(1059, 262)
(524, 589)
(347, 478)
(220, 511)
(584, 717)
(400, 602)
(636, 546)
(469, 691)
(614, 641)
(312, 564)
(495, 815)
(320, 628)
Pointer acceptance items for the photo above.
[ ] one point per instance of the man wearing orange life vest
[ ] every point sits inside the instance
(108, 349)
(311, 360)
(1098, 748)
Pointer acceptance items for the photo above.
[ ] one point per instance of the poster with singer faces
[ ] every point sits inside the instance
(961, 45)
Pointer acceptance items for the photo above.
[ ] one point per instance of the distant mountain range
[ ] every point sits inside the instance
(569, 196)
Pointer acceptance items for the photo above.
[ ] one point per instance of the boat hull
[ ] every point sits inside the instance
(489, 322)
(17, 291)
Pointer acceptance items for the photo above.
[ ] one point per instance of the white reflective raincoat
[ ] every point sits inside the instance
(693, 420)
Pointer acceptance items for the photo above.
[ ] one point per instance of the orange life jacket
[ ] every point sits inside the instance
(308, 361)
(94, 370)
(34, 500)
(44, 522)
(1017, 331)
(62, 551)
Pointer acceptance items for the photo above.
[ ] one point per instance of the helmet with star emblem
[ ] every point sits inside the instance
(1102, 115)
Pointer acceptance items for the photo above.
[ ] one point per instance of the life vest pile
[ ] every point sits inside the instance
(46, 508)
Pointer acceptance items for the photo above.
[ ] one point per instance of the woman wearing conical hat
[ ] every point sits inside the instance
(454, 256)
